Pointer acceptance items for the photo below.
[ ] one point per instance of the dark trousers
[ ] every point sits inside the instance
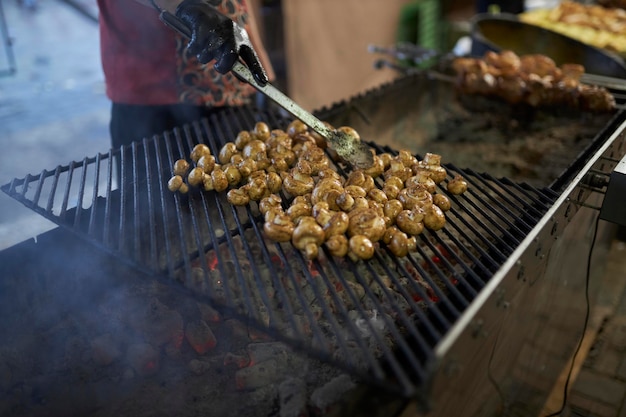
(131, 123)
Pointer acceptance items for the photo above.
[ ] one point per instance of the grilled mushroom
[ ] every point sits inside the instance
(434, 219)
(392, 208)
(406, 157)
(295, 128)
(198, 151)
(261, 131)
(238, 196)
(308, 236)
(274, 182)
(337, 245)
(273, 201)
(195, 177)
(422, 178)
(176, 183)
(457, 185)
(218, 177)
(377, 195)
(397, 169)
(316, 157)
(257, 186)
(228, 150)
(366, 222)
(415, 196)
(278, 226)
(345, 201)
(327, 190)
(411, 221)
(246, 167)
(181, 166)
(299, 180)
(233, 176)
(400, 244)
(336, 225)
(361, 247)
(377, 168)
(299, 210)
(361, 179)
(255, 149)
(207, 163)
(242, 139)
(432, 165)
(442, 202)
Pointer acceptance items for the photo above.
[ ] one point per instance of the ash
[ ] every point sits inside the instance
(86, 336)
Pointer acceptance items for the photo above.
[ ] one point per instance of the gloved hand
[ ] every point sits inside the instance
(215, 36)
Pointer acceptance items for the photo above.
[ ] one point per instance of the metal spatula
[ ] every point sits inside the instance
(352, 150)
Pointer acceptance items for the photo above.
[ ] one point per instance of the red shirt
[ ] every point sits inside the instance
(145, 62)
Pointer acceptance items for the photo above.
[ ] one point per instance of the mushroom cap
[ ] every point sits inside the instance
(362, 247)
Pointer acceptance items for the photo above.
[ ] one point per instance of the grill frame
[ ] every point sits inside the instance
(442, 355)
(416, 352)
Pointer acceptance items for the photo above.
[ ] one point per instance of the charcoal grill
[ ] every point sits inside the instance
(407, 325)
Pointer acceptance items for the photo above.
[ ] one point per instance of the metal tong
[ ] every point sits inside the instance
(351, 149)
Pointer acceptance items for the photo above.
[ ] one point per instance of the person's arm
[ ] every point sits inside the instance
(213, 36)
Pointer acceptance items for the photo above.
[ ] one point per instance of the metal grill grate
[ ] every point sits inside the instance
(379, 320)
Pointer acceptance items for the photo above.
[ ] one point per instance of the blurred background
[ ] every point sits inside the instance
(53, 108)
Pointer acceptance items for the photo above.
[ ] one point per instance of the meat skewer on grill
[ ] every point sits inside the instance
(532, 79)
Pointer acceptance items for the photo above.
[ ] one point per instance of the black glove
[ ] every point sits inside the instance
(215, 36)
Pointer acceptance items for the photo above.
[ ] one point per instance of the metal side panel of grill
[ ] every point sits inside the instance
(380, 320)
(505, 355)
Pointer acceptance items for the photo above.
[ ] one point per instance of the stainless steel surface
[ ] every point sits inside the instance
(506, 352)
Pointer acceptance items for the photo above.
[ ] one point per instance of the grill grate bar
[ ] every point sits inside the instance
(316, 330)
(94, 198)
(433, 261)
(248, 294)
(108, 215)
(540, 203)
(490, 215)
(326, 309)
(364, 315)
(39, 187)
(469, 272)
(135, 197)
(81, 194)
(180, 229)
(410, 300)
(150, 203)
(491, 233)
(50, 203)
(405, 349)
(123, 199)
(379, 320)
(164, 206)
(66, 194)
(506, 210)
(354, 331)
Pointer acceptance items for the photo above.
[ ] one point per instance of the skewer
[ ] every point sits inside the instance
(419, 54)
(612, 83)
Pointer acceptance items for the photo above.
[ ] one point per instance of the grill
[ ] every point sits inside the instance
(387, 321)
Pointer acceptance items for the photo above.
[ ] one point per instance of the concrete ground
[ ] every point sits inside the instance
(53, 108)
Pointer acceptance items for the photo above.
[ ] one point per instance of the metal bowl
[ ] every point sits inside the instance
(506, 32)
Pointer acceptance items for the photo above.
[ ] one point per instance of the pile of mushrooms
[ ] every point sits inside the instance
(319, 207)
